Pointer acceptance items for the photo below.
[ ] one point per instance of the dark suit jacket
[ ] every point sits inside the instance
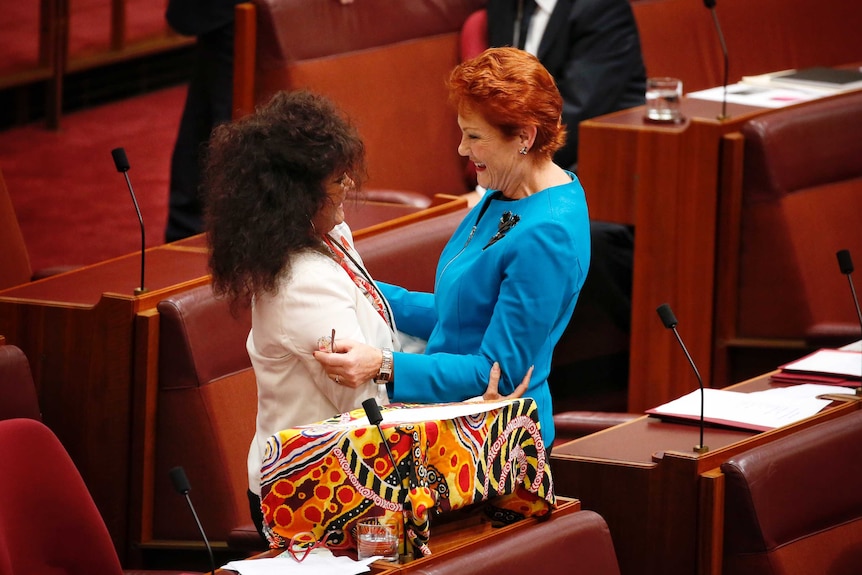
(197, 17)
(592, 49)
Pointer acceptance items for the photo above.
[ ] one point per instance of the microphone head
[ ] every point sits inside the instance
(666, 315)
(844, 262)
(120, 159)
(372, 411)
(709, 4)
(180, 481)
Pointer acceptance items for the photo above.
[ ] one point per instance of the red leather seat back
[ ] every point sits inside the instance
(385, 64)
(793, 506)
(577, 542)
(16, 268)
(48, 520)
(207, 404)
(801, 203)
(17, 389)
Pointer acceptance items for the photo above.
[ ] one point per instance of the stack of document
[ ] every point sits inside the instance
(784, 88)
(830, 80)
(826, 366)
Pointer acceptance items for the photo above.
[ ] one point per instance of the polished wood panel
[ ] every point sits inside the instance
(663, 180)
(77, 331)
(662, 501)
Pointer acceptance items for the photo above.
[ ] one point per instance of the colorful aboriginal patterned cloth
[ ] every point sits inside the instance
(325, 477)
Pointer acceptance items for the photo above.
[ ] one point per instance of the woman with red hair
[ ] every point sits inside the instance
(508, 280)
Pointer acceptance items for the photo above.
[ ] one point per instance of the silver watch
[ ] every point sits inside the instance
(384, 376)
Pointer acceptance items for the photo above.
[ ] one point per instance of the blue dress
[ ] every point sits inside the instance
(504, 292)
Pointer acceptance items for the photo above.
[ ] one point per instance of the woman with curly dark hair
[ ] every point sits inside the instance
(275, 183)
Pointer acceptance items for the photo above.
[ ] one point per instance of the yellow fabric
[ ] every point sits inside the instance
(325, 477)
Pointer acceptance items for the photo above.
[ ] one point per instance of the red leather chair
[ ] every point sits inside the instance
(577, 542)
(16, 269)
(48, 520)
(793, 200)
(16, 262)
(207, 404)
(17, 389)
(794, 506)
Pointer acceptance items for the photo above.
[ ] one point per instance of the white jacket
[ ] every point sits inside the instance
(292, 387)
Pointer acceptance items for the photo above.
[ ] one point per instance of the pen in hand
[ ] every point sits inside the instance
(332, 342)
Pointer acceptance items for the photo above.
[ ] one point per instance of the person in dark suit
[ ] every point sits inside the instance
(208, 104)
(592, 49)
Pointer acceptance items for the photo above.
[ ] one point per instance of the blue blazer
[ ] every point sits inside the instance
(504, 292)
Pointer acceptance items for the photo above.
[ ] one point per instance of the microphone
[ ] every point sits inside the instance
(669, 321)
(122, 164)
(181, 484)
(710, 4)
(845, 264)
(372, 411)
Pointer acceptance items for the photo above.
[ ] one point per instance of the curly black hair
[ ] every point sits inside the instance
(265, 179)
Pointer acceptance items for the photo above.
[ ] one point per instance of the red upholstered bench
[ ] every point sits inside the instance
(207, 405)
(17, 389)
(793, 506)
(799, 198)
(577, 542)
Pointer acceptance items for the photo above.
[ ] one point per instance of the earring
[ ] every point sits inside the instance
(523, 151)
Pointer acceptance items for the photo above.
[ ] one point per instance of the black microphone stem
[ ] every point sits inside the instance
(121, 162)
(203, 533)
(845, 264)
(724, 115)
(669, 321)
(372, 411)
(141, 289)
(855, 299)
(699, 380)
(182, 486)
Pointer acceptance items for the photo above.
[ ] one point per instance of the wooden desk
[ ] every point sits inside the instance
(77, 331)
(93, 349)
(655, 493)
(680, 187)
(664, 180)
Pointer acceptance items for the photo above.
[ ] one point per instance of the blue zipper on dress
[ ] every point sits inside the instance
(492, 196)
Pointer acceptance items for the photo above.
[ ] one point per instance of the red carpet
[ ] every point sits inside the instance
(72, 204)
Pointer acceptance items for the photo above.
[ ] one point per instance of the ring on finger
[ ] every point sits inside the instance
(336, 379)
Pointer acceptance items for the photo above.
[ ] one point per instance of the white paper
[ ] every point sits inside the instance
(760, 96)
(855, 346)
(318, 562)
(749, 409)
(429, 413)
(829, 361)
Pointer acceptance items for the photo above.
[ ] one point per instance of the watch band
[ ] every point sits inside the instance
(384, 376)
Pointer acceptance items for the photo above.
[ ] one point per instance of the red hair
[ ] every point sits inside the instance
(511, 89)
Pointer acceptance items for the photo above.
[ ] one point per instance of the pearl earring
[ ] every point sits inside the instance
(523, 151)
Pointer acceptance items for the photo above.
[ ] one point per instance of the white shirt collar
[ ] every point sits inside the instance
(538, 24)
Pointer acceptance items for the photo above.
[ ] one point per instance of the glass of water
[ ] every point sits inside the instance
(377, 537)
(663, 97)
